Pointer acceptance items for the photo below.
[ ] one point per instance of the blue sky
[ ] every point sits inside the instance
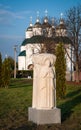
(15, 18)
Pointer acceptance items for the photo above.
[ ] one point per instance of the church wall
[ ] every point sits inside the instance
(37, 48)
(21, 63)
(50, 32)
(28, 34)
(37, 31)
(22, 48)
(61, 32)
(70, 66)
(30, 50)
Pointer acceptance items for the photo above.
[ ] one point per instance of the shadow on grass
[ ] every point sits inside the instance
(20, 86)
(21, 83)
(39, 127)
(27, 127)
(74, 98)
(74, 93)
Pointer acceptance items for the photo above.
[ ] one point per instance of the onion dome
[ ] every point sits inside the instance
(62, 24)
(37, 24)
(46, 24)
(30, 28)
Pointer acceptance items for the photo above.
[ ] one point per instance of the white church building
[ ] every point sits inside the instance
(34, 37)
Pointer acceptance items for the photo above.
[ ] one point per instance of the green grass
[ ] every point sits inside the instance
(14, 103)
(71, 105)
(15, 100)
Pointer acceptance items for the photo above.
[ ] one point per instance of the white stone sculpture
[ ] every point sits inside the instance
(44, 81)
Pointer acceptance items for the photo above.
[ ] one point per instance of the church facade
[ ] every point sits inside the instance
(34, 37)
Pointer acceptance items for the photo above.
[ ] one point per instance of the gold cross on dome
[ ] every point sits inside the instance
(61, 15)
(46, 12)
(31, 19)
(37, 13)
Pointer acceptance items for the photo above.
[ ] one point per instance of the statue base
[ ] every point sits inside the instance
(41, 116)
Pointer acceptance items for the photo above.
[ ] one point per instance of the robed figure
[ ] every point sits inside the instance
(44, 81)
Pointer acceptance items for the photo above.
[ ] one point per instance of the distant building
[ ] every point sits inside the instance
(34, 37)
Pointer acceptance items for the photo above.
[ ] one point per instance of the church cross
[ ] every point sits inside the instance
(61, 15)
(46, 12)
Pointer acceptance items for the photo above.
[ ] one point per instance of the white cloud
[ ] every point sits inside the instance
(7, 16)
(18, 15)
(11, 37)
(22, 14)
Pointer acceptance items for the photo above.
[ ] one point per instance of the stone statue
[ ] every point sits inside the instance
(44, 81)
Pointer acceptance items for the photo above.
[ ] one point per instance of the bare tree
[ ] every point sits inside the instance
(73, 21)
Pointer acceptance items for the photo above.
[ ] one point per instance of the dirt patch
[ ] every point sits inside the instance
(73, 83)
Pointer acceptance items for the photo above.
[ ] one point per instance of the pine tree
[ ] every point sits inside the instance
(60, 67)
(6, 73)
(0, 70)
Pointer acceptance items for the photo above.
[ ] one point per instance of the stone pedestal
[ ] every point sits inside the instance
(41, 116)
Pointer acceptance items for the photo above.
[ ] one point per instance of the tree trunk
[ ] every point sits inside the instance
(77, 73)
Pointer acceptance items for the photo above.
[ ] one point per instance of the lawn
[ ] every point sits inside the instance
(15, 100)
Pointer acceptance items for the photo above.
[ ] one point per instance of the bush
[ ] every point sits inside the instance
(5, 73)
(60, 67)
(24, 73)
(0, 70)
